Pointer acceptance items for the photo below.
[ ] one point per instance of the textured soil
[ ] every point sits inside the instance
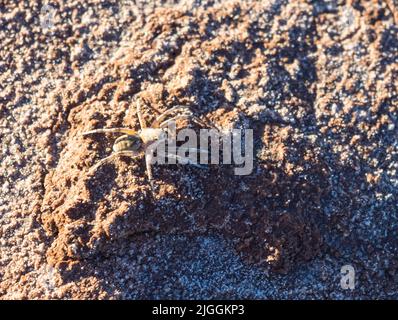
(317, 81)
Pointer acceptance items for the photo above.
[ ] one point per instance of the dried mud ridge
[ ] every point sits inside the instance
(277, 69)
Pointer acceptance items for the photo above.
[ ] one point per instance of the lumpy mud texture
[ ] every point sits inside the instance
(315, 80)
(219, 65)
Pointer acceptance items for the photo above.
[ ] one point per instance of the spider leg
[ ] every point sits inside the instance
(203, 123)
(149, 151)
(149, 157)
(165, 123)
(133, 154)
(193, 150)
(111, 130)
(186, 116)
(148, 164)
(140, 116)
(163, 116)
(184, 160)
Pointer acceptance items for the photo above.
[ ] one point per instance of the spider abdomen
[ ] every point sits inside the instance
(127, 143)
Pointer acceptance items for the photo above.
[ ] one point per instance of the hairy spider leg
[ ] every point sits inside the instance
(140, 116)
(133, 154)
(183, 160)
(111, 130)
(164, 115)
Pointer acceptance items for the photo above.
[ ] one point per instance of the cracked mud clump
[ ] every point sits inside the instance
(315, 80)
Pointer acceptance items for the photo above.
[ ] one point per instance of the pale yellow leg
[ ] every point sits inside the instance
(183, 160)
(130, 153)
(159, 119)
(111, 130)
(139, 115)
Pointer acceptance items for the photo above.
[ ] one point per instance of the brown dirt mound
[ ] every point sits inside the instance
(201, 60)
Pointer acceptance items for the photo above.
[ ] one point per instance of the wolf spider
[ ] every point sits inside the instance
(143, 142)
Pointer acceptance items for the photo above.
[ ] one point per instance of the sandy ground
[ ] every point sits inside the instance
(317, 81)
